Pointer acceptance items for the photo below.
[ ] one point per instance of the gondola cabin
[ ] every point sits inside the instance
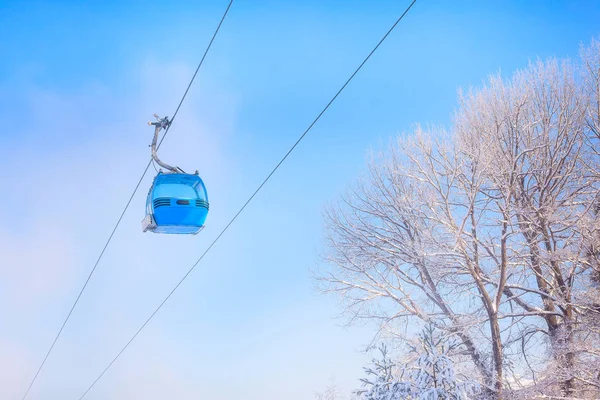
(176, 203)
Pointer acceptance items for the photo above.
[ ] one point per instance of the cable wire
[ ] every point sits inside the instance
(248, 201)
(137, 186)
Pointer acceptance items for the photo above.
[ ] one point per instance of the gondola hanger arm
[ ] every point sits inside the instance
(161, 123)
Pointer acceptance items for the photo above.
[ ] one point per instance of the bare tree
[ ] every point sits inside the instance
(405, 238)
(331, 392)
(533, 128)
(489, 231)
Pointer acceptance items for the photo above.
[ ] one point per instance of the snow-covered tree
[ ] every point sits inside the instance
(383, 381)
(433, 371)
(427, 375)
(489, 231)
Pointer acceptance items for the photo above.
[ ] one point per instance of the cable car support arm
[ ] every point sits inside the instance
(161, 123)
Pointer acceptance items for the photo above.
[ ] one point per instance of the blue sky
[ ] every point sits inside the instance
(79, 81)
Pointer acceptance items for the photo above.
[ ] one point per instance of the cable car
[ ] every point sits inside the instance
(177, 202)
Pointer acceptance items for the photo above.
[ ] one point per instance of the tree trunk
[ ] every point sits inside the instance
(497, 351)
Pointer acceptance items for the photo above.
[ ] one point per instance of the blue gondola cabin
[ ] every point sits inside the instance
(177, 203)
